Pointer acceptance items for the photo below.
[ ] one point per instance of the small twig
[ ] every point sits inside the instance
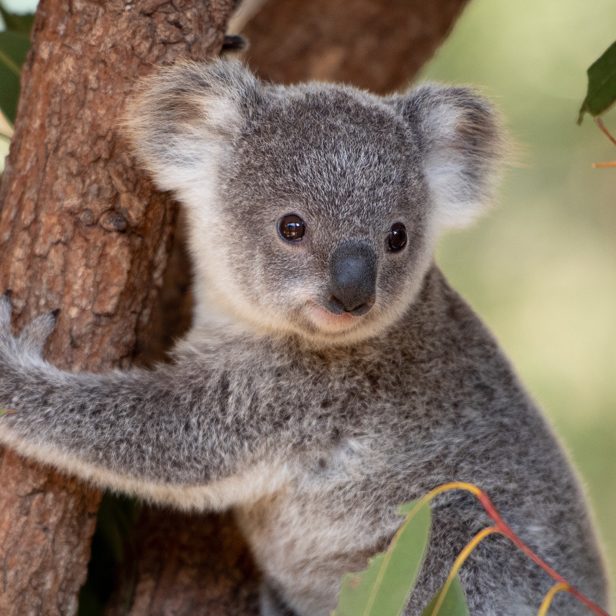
(603, 128)
(608, 165)
(503, 528)
(549, 597)
(460, 560)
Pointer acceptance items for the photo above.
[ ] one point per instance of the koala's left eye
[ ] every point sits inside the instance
(397, 238)
(291, 228)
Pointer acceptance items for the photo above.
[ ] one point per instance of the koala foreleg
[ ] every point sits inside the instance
(170, 434)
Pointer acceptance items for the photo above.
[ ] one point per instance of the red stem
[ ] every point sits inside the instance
(604, 129)
(502, 526)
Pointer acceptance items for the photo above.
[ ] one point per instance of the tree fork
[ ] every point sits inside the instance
(83, 230)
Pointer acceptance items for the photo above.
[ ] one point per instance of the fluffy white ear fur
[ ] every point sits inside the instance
(461, 145)
(183, 117)
(182, 123)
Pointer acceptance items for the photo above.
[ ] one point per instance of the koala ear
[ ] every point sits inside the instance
(183, 117)
(461, 145)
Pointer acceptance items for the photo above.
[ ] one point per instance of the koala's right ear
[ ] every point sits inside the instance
(182, 117)
(462, 147)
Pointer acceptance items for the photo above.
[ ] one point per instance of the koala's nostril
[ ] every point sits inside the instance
(353, 278)
(335, 305)
(362, 309)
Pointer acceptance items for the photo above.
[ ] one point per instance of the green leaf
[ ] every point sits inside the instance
(13, 50)
(601, 92)
(454, 603)
(15, 22)
(384, 587)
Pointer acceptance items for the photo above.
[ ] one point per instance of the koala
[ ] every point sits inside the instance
(331, 373)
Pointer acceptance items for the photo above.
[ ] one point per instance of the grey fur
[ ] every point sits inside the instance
(315, 432)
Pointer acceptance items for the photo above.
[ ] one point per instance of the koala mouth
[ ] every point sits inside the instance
(326, 320)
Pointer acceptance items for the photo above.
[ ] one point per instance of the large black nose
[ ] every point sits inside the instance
(352, 278)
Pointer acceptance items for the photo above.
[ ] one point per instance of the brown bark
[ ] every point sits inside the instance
(83, 230)
(193, 565)
(374, 44)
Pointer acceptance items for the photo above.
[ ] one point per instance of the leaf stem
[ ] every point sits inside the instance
(14, 68)
(549, 597)
(505, 530)
(460, 560)
(611, 163)
(604, 129)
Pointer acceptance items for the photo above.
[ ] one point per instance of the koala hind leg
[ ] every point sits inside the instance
(271, 604)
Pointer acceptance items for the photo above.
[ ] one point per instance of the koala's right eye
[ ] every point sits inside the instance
(291, 228)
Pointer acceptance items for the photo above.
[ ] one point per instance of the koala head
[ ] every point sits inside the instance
(313, 209)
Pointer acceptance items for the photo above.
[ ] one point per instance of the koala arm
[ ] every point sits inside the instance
(181, 434)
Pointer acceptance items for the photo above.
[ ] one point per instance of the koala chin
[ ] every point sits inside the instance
(331, 373)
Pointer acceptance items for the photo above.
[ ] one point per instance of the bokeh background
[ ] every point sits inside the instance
(541, 267)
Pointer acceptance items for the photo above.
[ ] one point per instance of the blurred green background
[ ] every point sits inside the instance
(541, 268)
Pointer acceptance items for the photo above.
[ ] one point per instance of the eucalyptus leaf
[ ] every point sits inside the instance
(16, 22)
(601, 92)
(384, 587)
(13, 50)
(454, 603)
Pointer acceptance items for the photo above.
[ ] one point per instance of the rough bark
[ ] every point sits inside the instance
(82, 229)
(374, 44)
(193, 565)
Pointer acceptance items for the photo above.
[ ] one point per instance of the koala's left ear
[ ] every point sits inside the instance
(461, 145)
(183, 117)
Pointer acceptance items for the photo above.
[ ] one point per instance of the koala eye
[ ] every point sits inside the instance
(397, 237)
(291, 228)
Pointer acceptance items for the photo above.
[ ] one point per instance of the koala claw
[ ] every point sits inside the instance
(32, 338)
(6, 308)
(34, 335)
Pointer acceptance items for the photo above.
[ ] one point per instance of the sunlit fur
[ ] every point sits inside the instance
(313, 427)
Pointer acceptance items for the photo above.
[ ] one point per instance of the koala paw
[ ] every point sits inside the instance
(31, 341)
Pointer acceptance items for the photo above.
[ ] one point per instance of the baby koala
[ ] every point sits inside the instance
(332, 373)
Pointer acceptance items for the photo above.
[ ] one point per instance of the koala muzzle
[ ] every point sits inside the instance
(352, 278)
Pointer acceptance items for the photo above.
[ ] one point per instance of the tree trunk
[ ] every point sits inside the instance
(373, 44)
(83, 230)
(197, 565)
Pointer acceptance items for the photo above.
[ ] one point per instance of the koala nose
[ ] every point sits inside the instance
(352, 278)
